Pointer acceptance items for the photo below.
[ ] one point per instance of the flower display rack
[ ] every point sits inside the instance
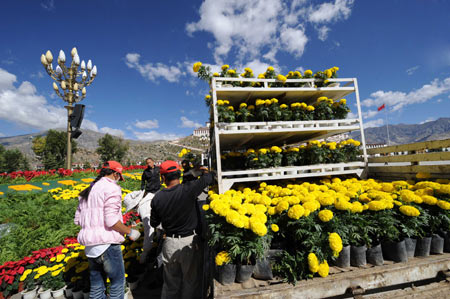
(241, 135)
(265, 133)
(290, 172)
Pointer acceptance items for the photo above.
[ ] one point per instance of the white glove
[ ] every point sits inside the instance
(134, 235)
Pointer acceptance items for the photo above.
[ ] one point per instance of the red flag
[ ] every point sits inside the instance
(381, 107)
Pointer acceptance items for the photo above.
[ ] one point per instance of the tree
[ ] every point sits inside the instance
(87, 165)
(51, 150)
(12, 160)
(112, 148)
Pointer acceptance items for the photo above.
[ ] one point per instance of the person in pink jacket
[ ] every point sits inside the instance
(99, 214)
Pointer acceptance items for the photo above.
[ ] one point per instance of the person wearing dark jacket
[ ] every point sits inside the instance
(175, 207)
(151, 180)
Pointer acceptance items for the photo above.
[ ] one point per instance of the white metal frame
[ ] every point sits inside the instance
(246, 130)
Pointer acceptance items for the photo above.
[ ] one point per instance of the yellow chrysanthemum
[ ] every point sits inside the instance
(222, 258)
(325, 215)
(409, 211)
(324, 269)
(313, 262)
(335, 242)
(196, 66)
(274, 228)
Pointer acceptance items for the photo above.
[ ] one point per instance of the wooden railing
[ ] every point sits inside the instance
(429, 158)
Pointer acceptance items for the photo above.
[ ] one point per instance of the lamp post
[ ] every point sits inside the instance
(71, 80)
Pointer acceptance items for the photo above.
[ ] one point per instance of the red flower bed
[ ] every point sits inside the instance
(29, 174)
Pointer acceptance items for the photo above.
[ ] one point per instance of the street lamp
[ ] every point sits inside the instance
(71, 81)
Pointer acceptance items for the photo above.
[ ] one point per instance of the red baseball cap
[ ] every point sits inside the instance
(116, 166)
(168, 166)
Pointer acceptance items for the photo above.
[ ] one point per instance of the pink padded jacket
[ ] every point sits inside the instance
(97, 214)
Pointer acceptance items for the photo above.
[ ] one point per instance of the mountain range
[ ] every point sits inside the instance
(402, 133)
(160, 150)
(88, 142)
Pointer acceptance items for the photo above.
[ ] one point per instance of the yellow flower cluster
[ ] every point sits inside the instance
(267, 102)
(303, 106)
(67, 182)
(313, 262)
(223, 102)
(25, 187)
(325, 215)
(222, 258)
(335, 242)
(315, 267)
(183, 152)
(281, 78)
(409, 211)
(196, 66)
(250, 208)
(133, 176)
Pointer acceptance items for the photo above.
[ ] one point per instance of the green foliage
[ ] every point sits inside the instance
(275, 113)
(244, 114)
(51, 150)
(36, 221)
(226, 114)
(359, 228)
(12, 160)
(290, 158)
(112, 148)
(291, 267)
(316, 155)
(323, 111)
(242, 245)
(262, 113)
(204, 73)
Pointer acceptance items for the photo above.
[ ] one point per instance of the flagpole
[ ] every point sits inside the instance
(387, 127)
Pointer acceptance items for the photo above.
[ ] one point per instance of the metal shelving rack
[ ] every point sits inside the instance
(232, 136)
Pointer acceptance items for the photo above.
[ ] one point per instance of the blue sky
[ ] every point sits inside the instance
(399, 50)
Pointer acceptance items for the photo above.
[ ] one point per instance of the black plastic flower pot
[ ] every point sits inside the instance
(395, 251)
(263, 270)
(447, 242)
(437, 244)
(358, 256)
(375, 255)
(343, 260)
(410, 245)
(423, 246)
(226, 274)
(244, 272)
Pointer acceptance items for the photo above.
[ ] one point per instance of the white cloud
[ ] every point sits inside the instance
(48, 5)
(412, 70)
(294, 40)
(352, 115)
(373, 123)
(147, 124)
(153, 71)
(428, 120)
(2, 135)
(323, 32)
(25, 107)
(370, 113)
(154, 136)
(328, 12)
(397, 99)
(253, 27)
(187, 123)
(38, 75)
(111, 131)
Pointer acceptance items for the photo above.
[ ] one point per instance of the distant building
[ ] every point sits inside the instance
(202, 132)
(338, 138)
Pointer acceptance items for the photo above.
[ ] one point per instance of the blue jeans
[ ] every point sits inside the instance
(109, 264)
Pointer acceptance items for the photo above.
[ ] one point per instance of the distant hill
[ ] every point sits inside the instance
(401, 133)
(88, 142)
